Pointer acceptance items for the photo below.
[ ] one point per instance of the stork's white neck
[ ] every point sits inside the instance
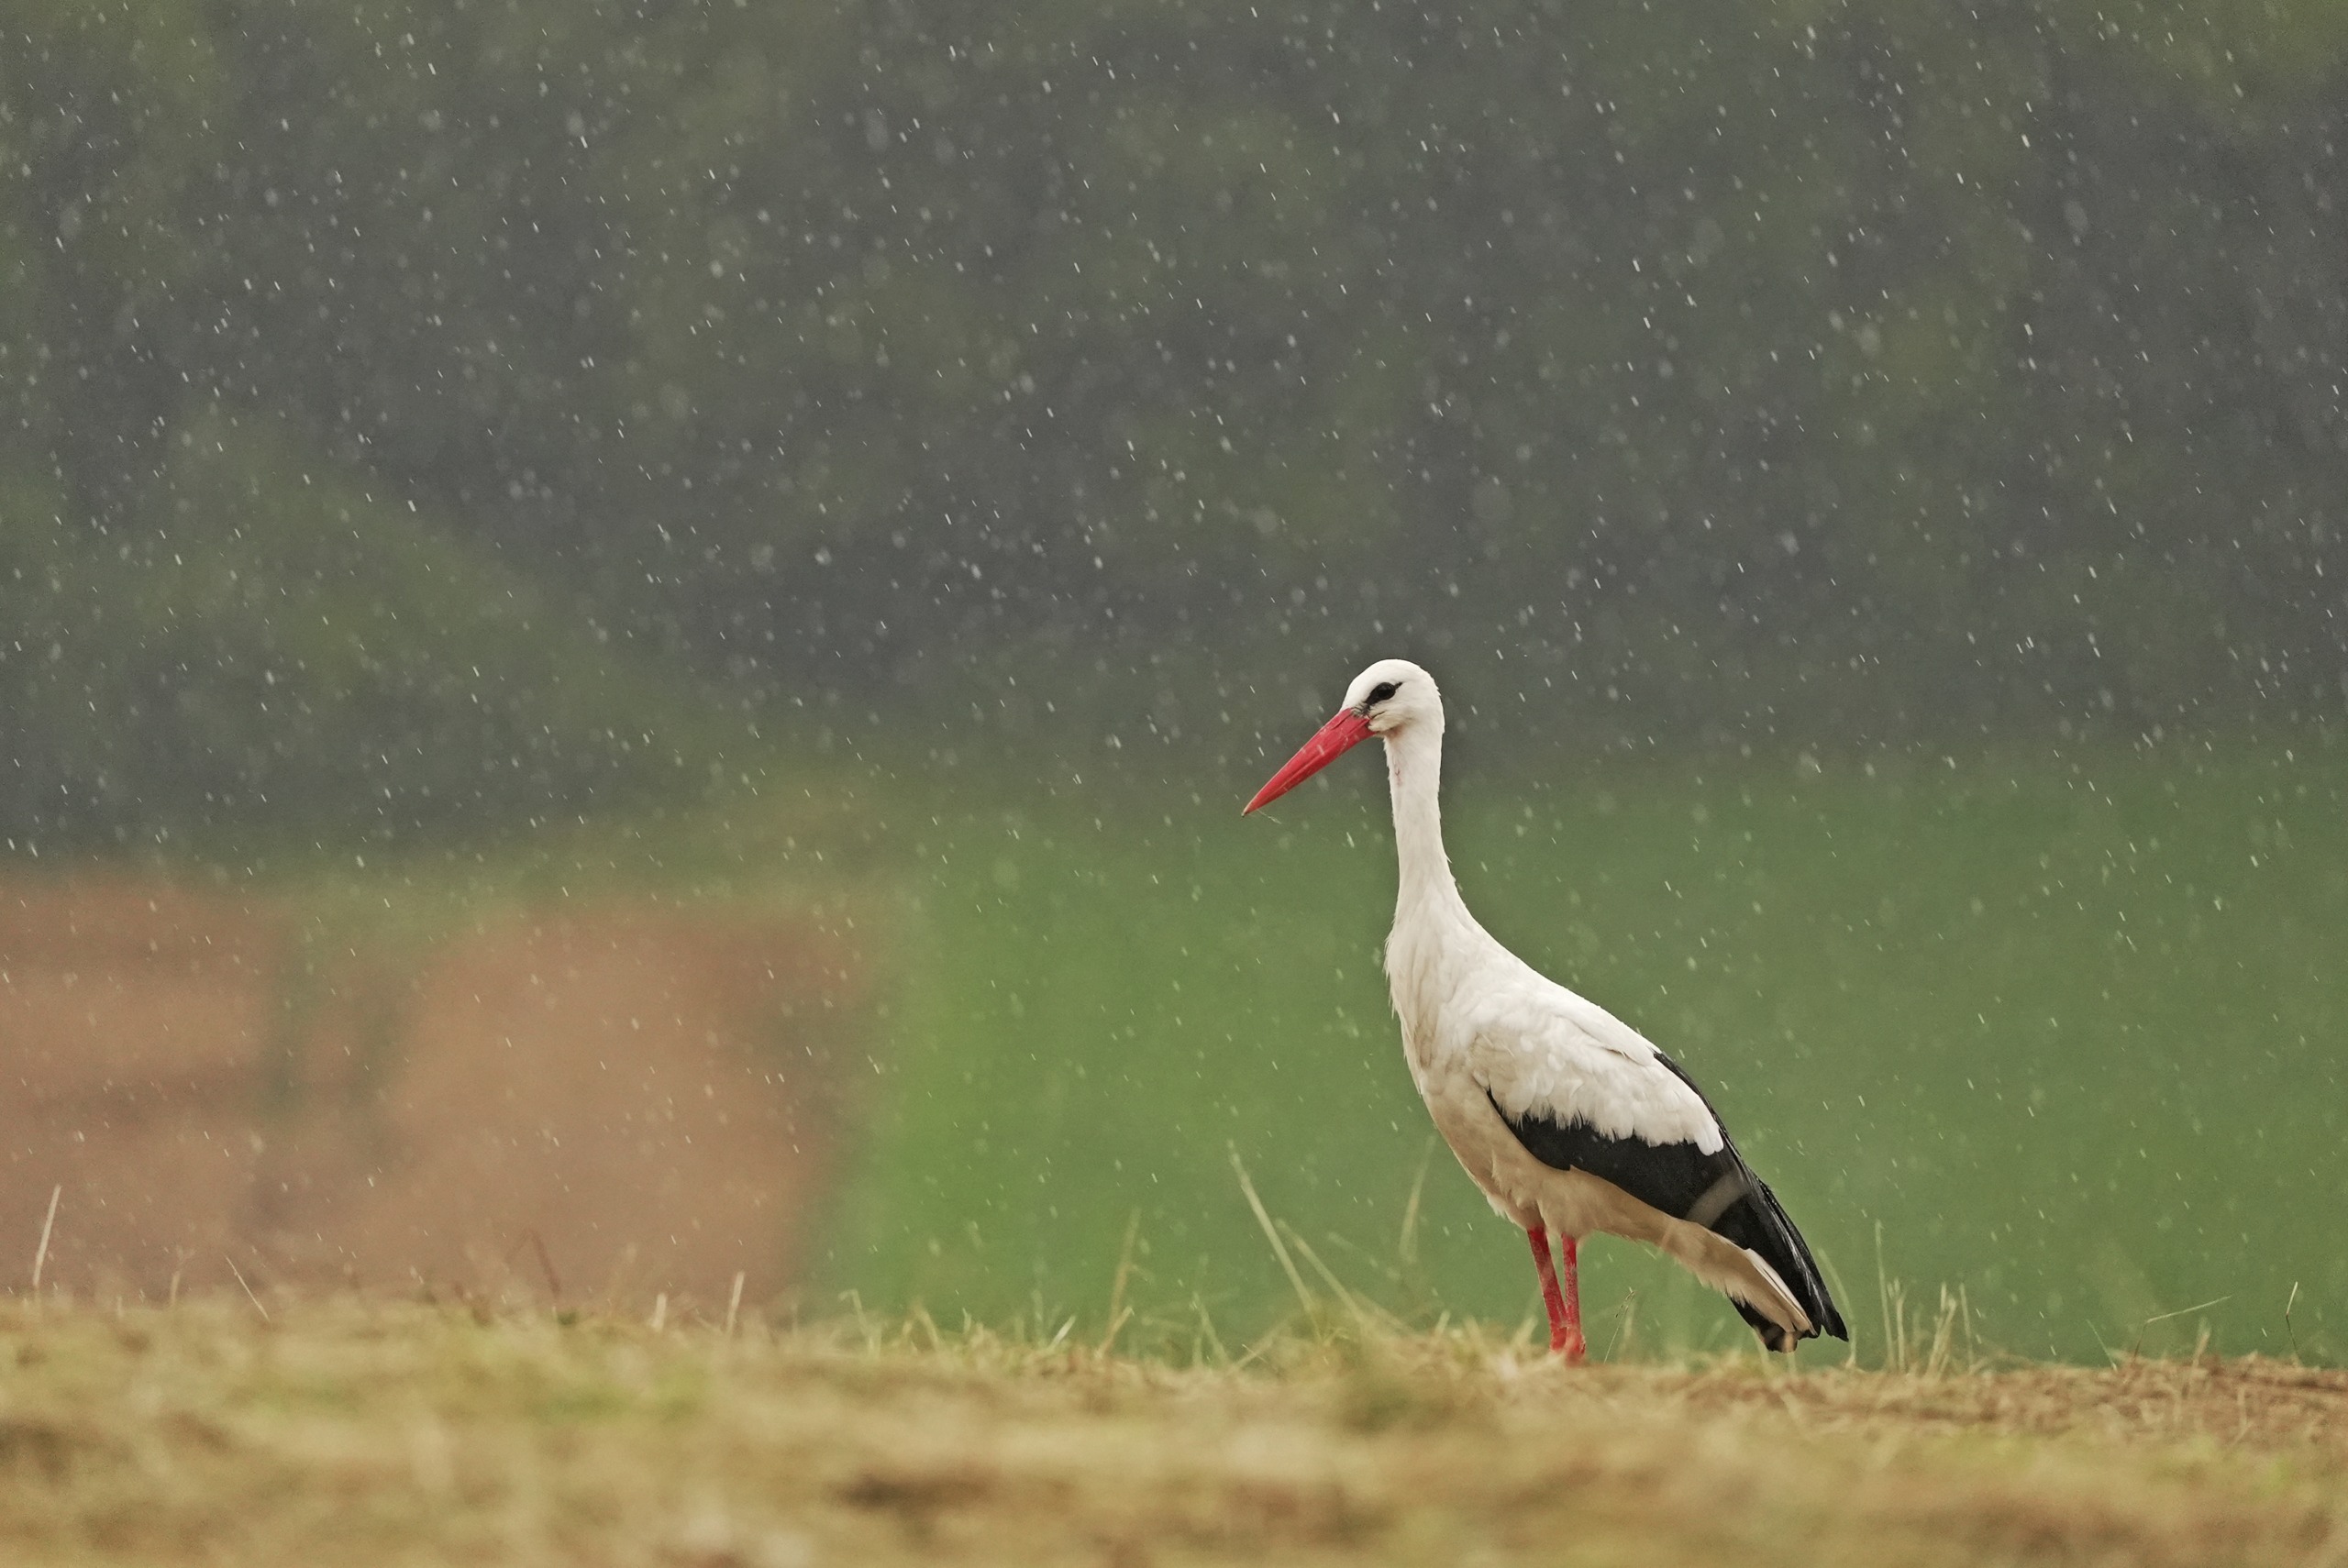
(1415, 773)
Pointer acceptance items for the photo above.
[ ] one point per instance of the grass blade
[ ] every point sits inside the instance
(1272, 1232)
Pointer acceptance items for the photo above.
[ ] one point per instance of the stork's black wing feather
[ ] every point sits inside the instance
(1717, 1191)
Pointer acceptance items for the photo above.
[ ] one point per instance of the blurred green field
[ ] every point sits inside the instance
(2065, 1036)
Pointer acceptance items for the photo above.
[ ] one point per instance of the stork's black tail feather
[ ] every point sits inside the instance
(1758, 1222)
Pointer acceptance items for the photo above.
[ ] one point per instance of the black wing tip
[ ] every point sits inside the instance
(1785, 1340)
(1830, 1328)
(1777, 1337)
(1789, 1254)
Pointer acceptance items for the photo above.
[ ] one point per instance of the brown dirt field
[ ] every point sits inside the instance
(599, 1102)
(357, 1433)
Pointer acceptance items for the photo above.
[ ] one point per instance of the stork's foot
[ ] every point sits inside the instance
(1565, 1340)
(1563, 1302)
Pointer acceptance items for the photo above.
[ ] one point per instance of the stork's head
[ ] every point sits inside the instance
(1388, 699)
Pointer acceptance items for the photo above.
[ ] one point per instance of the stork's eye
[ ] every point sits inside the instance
(1382, 690)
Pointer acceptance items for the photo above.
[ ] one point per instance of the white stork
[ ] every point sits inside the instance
(1565, 1116)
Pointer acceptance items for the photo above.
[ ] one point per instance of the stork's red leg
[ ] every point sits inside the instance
(1575, 1345)
(1565, 1306)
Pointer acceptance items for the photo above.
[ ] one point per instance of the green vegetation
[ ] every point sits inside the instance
(299, 650)
(2063, 1037)
(1884, 370)
(361, 1432)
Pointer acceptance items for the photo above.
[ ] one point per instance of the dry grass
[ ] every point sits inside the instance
(354, 1433)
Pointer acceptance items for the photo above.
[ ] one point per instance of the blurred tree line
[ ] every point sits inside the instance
(432, 409)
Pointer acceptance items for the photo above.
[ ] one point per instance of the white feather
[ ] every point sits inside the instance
(1543, 1050)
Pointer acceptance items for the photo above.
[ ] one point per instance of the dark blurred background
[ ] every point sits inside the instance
(407, 403)
(424, 424)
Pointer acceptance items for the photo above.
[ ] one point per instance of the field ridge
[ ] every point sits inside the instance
(360, 1431)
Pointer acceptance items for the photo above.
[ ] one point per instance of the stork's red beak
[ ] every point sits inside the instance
(1333, 740)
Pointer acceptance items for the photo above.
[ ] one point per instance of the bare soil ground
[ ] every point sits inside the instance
(600, 1099)
(356, 1433)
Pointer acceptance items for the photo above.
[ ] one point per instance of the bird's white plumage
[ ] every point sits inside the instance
(1470, 1008)
(1499, 1047)
(1483, 1029)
